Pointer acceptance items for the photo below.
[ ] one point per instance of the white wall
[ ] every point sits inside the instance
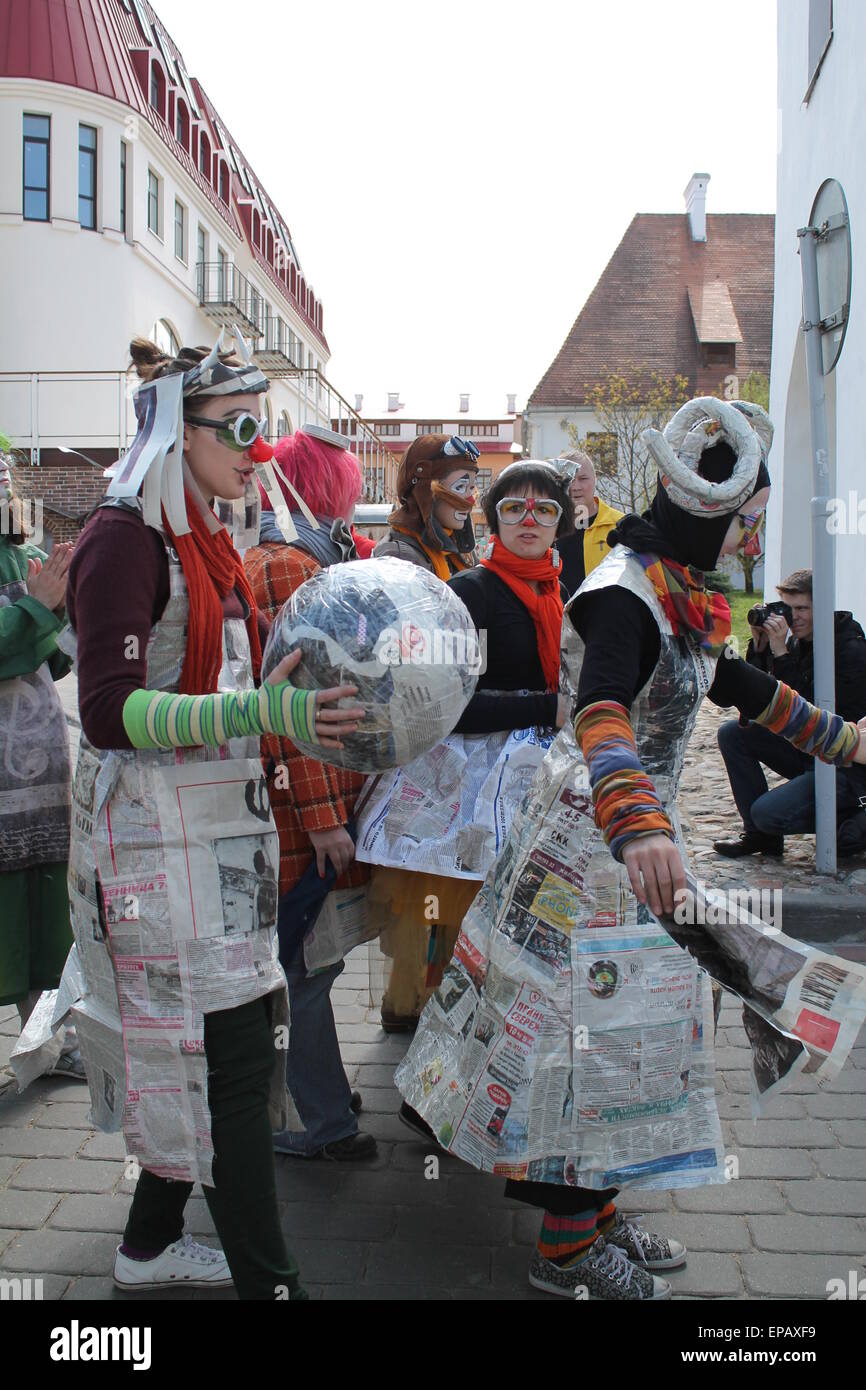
(73, 298)
(826, 139)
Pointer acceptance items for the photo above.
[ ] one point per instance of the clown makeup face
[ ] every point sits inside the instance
(461, 481)
(219, 470)
(746, 523)
(526, 538)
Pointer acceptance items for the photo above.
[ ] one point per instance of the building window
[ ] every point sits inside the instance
(719, 354)
(425, 427)
(87, 177)
(180, 231)
(157, 89)
(484, 479)
(222, 275)
(182, 124)
(165, 338)
(224, 181)
(390, 427)
(123, 186)
(480, 431)
(37, 142)
(201, 258)
(204, 156)
(284, 425)
(153, 201)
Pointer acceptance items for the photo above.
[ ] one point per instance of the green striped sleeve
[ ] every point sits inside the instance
(158, 719)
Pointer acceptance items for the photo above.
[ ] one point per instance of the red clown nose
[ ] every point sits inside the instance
(260, 451)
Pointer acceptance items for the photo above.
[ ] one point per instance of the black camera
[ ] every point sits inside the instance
(757, 616)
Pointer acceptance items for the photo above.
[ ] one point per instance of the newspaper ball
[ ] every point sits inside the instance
(401, 636)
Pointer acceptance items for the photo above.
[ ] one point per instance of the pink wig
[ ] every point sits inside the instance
(329, 479)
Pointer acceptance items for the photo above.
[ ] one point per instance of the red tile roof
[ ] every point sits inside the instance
(639, 311)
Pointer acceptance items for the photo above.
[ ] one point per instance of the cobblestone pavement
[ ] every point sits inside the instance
(792, 1219)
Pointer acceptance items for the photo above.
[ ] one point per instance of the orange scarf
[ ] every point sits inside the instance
(545, 607)
(441, 568)
(211, 568)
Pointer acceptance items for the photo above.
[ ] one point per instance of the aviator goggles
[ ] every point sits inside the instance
(239, 434)
(513, 510)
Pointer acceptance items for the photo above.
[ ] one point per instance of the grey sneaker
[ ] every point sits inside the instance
(606, 1274)
(643, 1248)
(70, 1064)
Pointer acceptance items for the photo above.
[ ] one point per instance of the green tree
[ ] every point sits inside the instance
(626, 402)
(756, 388)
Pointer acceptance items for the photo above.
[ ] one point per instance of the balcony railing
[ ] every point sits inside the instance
(228, 297)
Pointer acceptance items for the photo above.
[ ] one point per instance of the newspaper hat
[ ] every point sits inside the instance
(154, 465)
(701, 424)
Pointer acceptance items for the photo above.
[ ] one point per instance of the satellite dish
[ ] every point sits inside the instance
(829, 218)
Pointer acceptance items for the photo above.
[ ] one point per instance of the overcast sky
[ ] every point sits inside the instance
(456, 174)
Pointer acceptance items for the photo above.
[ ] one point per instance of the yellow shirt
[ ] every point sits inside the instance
(595, 545)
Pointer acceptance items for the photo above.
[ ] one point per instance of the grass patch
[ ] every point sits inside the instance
(740, 605)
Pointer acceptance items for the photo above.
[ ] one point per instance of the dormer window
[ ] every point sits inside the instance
(182, 124)
(204, 156)
(224, 181)
(157, 88)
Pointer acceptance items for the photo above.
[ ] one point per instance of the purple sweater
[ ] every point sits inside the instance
(118, 589)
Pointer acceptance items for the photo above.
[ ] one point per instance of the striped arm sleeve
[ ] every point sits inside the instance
(814, 731)
(626, 803)
(156, 719)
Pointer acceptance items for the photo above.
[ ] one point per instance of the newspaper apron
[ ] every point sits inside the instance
(173, 886)
(444, 817)
(35, 773)
(570, 1040)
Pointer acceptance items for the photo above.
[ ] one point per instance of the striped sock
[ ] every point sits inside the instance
(566, 1240)
(606, 1218)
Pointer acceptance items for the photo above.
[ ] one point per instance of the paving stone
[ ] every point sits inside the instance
(26, 1211)
(775, 1163)
(807, 1234)
(841, 1163)
(708, 1275)
(632, 1199)
(719, 1234)
(66, 1175)
(510, 1277)
(7, 1168)
(61, 1252)
(80, 1212)
(372, 1074)
(384, 1293)
(828, 1198)
(838, 1106)
(6, 1238)
(784, 1134)
(50, 1287)
(470, 1187)
(378, 1052)
(378, 1100)
(314, 1180)
(40, 1143)
(383, 1188)
(850, 1133)
(426, 1225)
(331, 1262)
(848, 1080)
(59, 1088)
(105, 1146)
(389, 1128)
(58, 1115)
(445, 1264)
(738, 1196)
(95, 1290)
(807, 1276)
(340, 1220)
(409, 1155)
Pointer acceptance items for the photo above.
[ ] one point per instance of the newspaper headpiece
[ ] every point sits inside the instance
(154, 465)
(701, 424)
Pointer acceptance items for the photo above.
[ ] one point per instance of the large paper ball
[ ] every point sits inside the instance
(401, 636)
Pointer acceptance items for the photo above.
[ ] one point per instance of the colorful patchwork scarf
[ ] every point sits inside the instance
(688, 606)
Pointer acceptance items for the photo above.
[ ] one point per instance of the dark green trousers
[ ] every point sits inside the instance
(239, 1046)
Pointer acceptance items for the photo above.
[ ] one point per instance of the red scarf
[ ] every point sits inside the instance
(545, 607)
(211, 568)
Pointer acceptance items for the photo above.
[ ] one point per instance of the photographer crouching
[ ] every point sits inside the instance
(782, 645)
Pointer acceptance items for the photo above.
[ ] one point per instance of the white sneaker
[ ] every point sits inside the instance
(185, 1262)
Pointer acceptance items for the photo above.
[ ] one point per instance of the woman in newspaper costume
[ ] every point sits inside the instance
(181, 1003)
(436, 825)
(569, 1045)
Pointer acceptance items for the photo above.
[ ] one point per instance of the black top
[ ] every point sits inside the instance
(797, 666)
(512, 657)
(622, 648)
(573, 561)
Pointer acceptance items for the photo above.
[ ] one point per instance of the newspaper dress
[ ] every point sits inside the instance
(570, 1039)
(173, 885)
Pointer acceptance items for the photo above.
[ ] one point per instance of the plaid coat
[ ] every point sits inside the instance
(318, 797)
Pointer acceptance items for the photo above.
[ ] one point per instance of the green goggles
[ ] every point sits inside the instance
(239, 434)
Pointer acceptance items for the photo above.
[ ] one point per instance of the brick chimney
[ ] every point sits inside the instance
(695, 195)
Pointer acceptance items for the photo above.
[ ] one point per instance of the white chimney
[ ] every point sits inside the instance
(359, 403)
(695, 195)
(512, 404)
(394, 402)
(464, 403)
